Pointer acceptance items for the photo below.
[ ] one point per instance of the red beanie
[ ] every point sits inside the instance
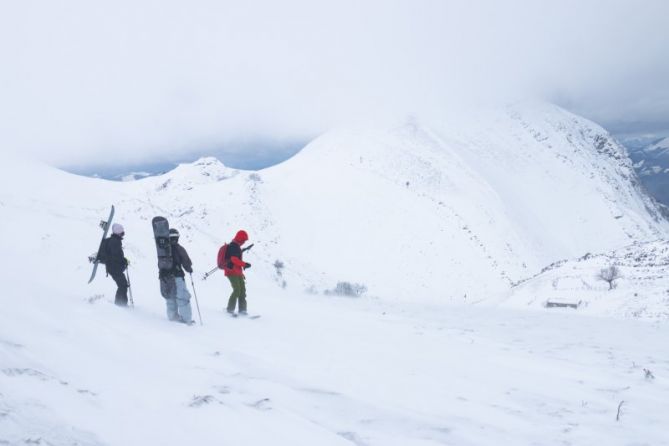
(241, 236)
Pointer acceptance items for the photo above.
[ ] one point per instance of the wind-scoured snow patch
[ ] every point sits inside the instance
(628, 282)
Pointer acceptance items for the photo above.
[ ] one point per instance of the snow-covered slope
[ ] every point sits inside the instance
(475, 205)
(641, 291)
(421, 216)
(323, 371)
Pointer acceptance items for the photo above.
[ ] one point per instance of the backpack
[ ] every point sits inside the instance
(220, 259)
(103, 251)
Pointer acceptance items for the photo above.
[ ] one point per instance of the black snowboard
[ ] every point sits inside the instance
(161, 233)
(94, 258)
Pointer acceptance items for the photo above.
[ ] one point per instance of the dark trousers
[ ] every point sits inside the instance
(238, 293)
(122, 290)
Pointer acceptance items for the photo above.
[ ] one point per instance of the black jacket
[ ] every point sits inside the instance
(116, 262)
(181, 261)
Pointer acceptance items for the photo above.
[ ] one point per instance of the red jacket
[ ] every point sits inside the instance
(235, 264)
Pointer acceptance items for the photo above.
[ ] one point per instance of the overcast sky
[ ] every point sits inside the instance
(132, 80)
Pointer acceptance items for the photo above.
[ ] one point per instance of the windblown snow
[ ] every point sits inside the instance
(438, 224)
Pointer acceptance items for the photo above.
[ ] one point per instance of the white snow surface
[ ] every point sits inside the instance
(435, 222)
(325, 371)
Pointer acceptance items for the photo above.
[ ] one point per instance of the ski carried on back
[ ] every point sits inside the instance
(95, 258)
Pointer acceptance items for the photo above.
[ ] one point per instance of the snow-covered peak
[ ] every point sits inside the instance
(206, 170)
(208, 167)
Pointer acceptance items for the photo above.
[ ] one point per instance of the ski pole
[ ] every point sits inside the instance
(209, 273)
(127, 275)
(195, 294)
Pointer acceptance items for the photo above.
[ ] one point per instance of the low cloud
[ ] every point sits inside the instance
(133, 80)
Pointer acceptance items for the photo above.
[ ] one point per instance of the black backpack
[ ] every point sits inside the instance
(103, 251)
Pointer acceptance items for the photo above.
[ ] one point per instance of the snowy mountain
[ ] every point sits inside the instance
(426, 218)
(457, 199)
(652, 165)
(659, 148)
(478, 204)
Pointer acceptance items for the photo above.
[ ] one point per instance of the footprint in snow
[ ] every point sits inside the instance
(263, 404)
(31, 372)
(201, 400)
(352, 437)
(10, 344)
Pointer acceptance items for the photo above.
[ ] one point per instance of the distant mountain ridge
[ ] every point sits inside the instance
(652, 165)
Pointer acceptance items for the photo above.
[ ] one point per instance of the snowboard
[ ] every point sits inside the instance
(105, 225)
(161, 234)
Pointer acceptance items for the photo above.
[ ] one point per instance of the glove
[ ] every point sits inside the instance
(247, 265)
(127, 262)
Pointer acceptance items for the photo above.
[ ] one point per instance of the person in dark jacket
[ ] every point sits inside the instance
(173, 285)
(116, 264)
(234, 271)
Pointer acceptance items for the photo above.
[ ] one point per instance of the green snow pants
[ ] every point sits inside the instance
(238, 293)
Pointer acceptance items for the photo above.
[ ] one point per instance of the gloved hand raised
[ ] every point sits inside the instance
(247, 265)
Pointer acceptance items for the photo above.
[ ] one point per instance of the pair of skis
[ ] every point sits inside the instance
(95, 258)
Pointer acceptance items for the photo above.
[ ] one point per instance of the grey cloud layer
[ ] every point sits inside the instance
(131, 79)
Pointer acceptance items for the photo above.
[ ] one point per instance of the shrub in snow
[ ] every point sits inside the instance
(609, 275)
(94, 298)
(279, 266)
(347, 289)
(278, 269)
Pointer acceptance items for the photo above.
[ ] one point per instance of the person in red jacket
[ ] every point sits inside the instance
(234, 271)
